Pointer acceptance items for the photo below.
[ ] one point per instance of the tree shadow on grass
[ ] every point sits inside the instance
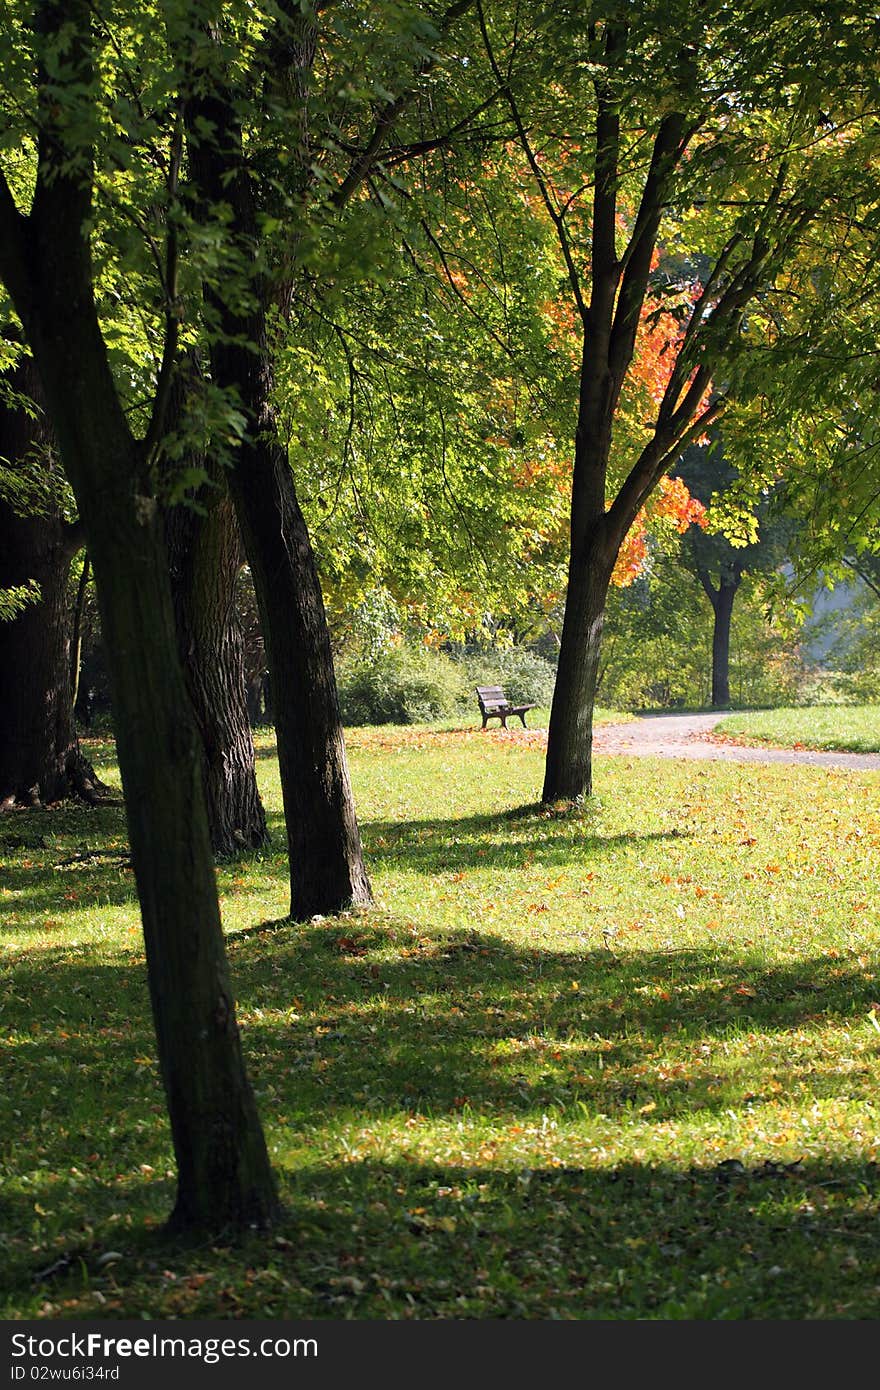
(50, 893)
(360, 1021)
(472, 1019)
(358, 1018)
(503, 839)
(370, 1239)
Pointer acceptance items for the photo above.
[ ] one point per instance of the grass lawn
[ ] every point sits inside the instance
(851, 728)
(617, 1064)
(537, 718)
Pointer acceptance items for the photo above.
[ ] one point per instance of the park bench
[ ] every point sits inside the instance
(495, 704)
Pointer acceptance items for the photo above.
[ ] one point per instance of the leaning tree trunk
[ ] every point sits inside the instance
(40, 759)
(326, 859)
(224, 1175)
(568, 771)
(204, 551)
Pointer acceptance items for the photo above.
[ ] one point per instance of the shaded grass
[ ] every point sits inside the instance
(613, 1064)
(845, 728)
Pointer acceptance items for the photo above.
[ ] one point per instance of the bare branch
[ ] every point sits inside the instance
(401, 154)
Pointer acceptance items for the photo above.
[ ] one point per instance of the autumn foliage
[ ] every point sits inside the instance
(671, 504)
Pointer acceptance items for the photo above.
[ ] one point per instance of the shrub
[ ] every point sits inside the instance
(405, 685)
(525, 676)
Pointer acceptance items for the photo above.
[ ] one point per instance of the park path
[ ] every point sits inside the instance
(689, 736)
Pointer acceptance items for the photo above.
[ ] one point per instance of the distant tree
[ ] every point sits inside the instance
(656, 125)
(717, 562)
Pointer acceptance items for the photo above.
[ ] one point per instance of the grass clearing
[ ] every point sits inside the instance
(620, 1063)
(838, 728)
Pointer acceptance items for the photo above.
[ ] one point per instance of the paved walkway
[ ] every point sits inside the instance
(689, 736)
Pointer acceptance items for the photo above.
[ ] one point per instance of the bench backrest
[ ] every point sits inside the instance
(492, 697)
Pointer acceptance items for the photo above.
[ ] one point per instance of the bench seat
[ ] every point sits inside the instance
(494, 704)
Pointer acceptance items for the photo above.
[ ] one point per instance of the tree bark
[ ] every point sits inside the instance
(40, 759)
(568, 773)
(326, 859)
(721, 599)
(224, 1176)
(722, 606)
(204, 552)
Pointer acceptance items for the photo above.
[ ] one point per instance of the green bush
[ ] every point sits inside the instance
(526, 677)
(404, 685)
(413, 685)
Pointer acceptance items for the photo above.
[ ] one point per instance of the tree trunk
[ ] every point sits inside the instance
(224, 1176)
(721, 599)
(568, 772)
(326, 860)
(76, 636)
(722, 605)
(204, 552)
(254, 699)
(40, 760)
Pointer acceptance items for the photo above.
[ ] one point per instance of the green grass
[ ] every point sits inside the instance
(537, 718)
(620, 1063)
(848, 728)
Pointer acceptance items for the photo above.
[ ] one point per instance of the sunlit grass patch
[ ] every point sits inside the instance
(848, 728)
(614, 1063)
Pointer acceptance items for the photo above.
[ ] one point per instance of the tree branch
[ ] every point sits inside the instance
(162, 397)
(866, 578)
(605, 268)
(401, 154)
(556, 217)
(657, 457)
(669, 146)
(703, 576)
(364, 161)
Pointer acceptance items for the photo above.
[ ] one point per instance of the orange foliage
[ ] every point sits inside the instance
(632, 555)
(671, 502)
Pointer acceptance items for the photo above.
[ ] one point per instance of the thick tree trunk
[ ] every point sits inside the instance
(224, 1176)
(568, 772)
(204, 551)
(722, 605)
(40, 760)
